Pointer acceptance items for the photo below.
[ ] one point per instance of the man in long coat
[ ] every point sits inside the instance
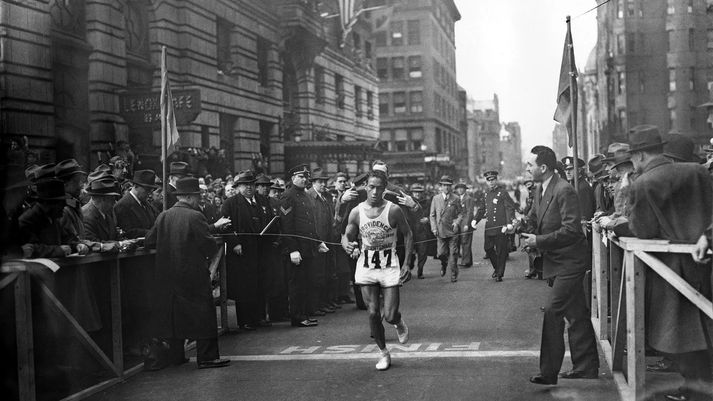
(446, 218)
(183, 296)
(466, 240)
(673, 202)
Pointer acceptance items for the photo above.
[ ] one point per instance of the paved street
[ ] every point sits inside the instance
(472, 340)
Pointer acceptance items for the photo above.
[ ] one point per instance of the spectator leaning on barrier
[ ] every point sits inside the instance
(673, 202)
(183, 299)
(133, 213)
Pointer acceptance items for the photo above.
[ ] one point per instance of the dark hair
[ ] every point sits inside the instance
(545, 156)
(380, 175)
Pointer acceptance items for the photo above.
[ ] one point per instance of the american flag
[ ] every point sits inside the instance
(171, 131)
(346, 14)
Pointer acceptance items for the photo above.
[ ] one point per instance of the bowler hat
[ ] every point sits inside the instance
(105, 186)
(490, 175)
(595, 164)
(179, 169)
(50, 190)
(65, 169)
(680, 148)
(614, 149)
(299, 169)
(568, 162)
(417, 188)
(262, 179)
(187, 186)
(446, 180)
(644, 137)
(244, 177)
(44, 172)
(145, 178)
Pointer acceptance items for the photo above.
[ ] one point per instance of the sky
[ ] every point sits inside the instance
(514, 48)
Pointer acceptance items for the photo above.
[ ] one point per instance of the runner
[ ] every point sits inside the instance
(376, 221)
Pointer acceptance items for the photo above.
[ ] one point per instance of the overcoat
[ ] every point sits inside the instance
(97, 227)
(468, 205)
(136, 220)
(444, 213)
(673, 201)
(555, 219)
(243, 270)
(585, 193)
(183, 299)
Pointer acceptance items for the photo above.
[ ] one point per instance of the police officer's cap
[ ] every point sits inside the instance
(360, 179)
(568, 162)
(490, 175)
(300, 169)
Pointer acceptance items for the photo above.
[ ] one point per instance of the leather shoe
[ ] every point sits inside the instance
(443, 271)
(574, 374)
(420, 276)
(662, 365)
(539, 379)
(303, 323)
(498, 279)
(215, 363)
(494, 275)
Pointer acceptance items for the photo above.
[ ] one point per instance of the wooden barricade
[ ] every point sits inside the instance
(18, 275)
(619, 269)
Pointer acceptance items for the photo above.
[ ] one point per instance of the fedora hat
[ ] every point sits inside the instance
(277, 186)
(99, 175)
(105, 186)
(644, 137)
(615, 148)
(262, 179)
(65, 169)
(51, 190)
(620, 160)
(595, 164)
(460, 184)
(187, 186)
(145, 178)
(245, 177)
(44, 172)
(680, 148)
(180, 169)
(446, 180)
(490, 175)
(318, 174)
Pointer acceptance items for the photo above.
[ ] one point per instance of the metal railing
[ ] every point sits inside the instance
(619, 269)
(18, 276)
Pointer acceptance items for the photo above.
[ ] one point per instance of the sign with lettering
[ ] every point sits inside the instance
(144, 108)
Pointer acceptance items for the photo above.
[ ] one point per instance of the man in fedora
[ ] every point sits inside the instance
(499, 213)
(183, 298)
(673, 202)
(446, 218)
(176, 171)
(98, 213)
(298, 224)
(466, 238)
(133, 213)
(74, 177)
(243, 270)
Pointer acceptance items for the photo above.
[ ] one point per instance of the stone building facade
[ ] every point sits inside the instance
(510, 149)
(484, 136)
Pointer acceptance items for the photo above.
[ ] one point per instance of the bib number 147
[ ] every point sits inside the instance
(373, 258)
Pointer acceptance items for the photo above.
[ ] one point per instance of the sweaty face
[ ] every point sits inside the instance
(375, 190)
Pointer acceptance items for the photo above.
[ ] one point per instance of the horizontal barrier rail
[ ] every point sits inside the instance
(21, 276)
(619, 269)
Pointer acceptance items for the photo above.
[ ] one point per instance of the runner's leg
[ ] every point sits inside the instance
(371, 295)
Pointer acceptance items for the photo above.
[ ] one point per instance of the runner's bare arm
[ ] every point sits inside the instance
(349, 241)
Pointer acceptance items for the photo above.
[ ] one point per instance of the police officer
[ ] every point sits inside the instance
(585, 193)
(499, 212)
(298, 227)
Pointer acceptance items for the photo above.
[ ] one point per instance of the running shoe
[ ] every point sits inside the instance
(384, 362)
(402, 331)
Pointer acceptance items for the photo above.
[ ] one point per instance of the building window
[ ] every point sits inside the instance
(631, 42)
(380, 39)
(630, 8)
(383, 104)
(357, 100)
(263, 48)
(397, 35)
(690, 6)
(319, 84)
(382, 67)
(416, 101)
(670, 10)
(397, 68)
(670, 40)
(621, 81)
(620, 45)
(691, 39)
(370, 105)
(224, 30)
(367, 50)
(414, 67)
(672, 79)
(399, 102)
(416, 135)
(339, 90)
(414, 32)
(401, 140)
(692, 78)
(620, 9)
(641, 8)
(356, 41)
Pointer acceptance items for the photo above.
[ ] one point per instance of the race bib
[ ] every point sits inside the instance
(377, 259)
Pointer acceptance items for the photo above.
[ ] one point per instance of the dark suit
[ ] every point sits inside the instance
(444, 213)
(555, 220)
(183, 298)
(98, 227)
(243, 270)
(171, 198)
(134, 218)
(422, 235)
(466, 239)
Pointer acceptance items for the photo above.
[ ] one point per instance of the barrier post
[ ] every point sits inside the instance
(24, 336)
(635, 357)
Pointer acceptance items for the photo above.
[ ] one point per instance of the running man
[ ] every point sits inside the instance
(376, 222)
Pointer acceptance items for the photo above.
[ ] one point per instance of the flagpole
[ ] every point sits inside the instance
(164, 129)
(573, 99)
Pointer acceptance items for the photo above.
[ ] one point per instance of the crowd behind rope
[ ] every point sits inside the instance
(636, 189)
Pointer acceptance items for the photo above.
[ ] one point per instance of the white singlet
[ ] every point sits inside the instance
(378, 240)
